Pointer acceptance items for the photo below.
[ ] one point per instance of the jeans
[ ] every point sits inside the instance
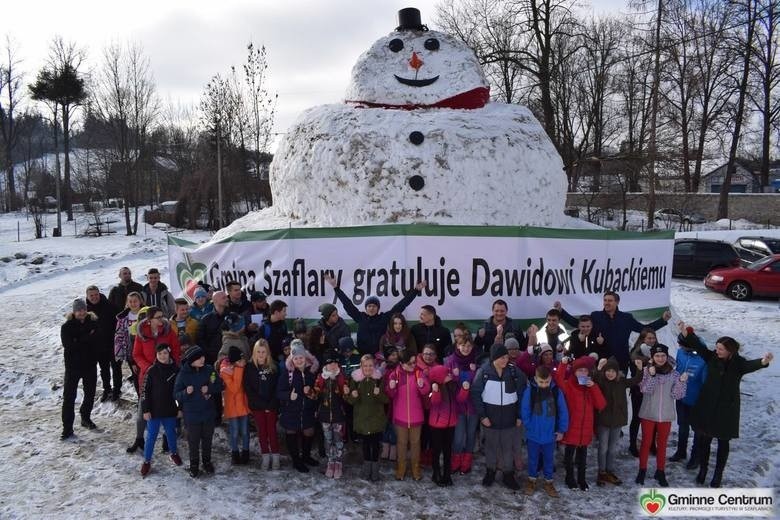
(465, 434)
(547, 451)
(153, 428)
(608, 439)
(684, 424)
(333, 433)
(88, 381)
(239, 426)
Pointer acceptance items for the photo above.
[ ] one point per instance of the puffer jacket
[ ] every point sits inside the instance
(444, 402)
(145, 346)
(234, 397)
(437, 335)
(407, 397)
(582, 402)
(158, 389)
(659, 392)
(330, 392)
(80, 342)
(466, 367)
(688, 360)
(368, 413)
(188, 335)
(615, 413)
(260, 387)
(498, 397)
(299, 414)
(197, 406)
(544, 413)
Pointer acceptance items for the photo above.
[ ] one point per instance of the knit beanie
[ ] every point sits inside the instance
(297, 348)
(326, 309)
(372, 300)
(79, 305)
(497, 350)
(234, 354)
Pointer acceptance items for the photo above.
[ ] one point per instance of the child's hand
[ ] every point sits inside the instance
(306, 390)
(768, 357)
(420, 382)
(204, 389)
(354, 393)
(147, 416)
(485, 422)
(590, 383)
(393, 384)
(466, 385)
(651, 370)
(638, 364)
(600, 339)
(190, 389)
(565, 360)
(473, 367)
(684, 377)
(532, 330)
(682, 328)
(557, 305)
(345, 390)
(518, 423)
(376, 391)
(434, 386)
(293, 395)
(558, 437)
(602, 362)
(455, 372)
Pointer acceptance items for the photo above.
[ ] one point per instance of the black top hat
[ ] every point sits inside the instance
(409, 20)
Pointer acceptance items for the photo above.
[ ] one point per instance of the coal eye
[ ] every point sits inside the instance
(432, 44)
(396, 45)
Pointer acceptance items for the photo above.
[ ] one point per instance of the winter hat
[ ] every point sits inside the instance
(233, 322)
(297, 348)
(326, 309)
(659, 348)
(583, 362)
(257, 296)
(162, 346)
(79, 305)
(437, 374)
(512, 343)
(346, 344)
(372, 299)
(300, 326)
(389, 350)
(193, 354)
(331, 356)
(234, 354)
(200, 292)
(544, 347)
(497, 350)
(612, 364)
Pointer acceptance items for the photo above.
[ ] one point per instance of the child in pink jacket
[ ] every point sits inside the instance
(407, 386)
(445, 396)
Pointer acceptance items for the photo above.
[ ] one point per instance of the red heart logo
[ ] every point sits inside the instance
(653, 507)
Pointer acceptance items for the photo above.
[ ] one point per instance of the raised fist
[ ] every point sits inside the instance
(393, 384)
(376, 391)
(455, 372)
(473, 367)
(190, 389)
(355, 393)
(638, 364)
(293, 395)
(420, 382)
(434, 386)
(768, 357)
(602, 362)
(557, 305)
(684, 377)
(466, 385)
(651, 370)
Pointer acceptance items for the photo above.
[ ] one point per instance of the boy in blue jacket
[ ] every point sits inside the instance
(546, 418)
(696, 367)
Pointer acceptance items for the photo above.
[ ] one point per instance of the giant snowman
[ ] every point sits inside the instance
(416, 140)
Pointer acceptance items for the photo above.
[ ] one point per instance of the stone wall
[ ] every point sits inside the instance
(761, 208)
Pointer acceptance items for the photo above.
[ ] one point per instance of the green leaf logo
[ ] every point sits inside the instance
(189, 273)
(652, 502)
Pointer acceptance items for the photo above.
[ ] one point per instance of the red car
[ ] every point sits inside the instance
(760, 278)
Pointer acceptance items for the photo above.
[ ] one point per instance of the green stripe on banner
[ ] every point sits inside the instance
(180, 242)
(441, 231)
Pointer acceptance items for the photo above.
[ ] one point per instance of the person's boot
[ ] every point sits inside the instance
(244, 456)
(115, 395)
(275, 461)
(208, 467)
(235, 458)
(67, 433)
(660, 476)
(717, 475)
(436, 477)
(306, 455)
(702, 475)
(393, 454)
(416, 470)
(457, 459)
(194, 471)
(105, 396)
(146, 467)
(602, 479)
(265, 461)
(87, 423)
(138, 444)
(571, 482)
(489, 478)
(510, 481)
(446, 476)
(640, 477)
(678, 456)
(581, 482)
(375, 471)
(530, 486)
(385, 451)
(400, 468)
(295, 454)
(466, 462)
(549, 488)
(338, 470)
(165, 448)
(612, 478)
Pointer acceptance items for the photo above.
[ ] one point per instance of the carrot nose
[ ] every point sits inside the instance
(415, 62)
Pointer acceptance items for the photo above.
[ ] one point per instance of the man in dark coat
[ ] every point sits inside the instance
(716, 413)
(615, 326)
(237, 301)
(497, 327)
(210, 338)
(372, 324)
(79, 336)
(118, 294)
(106, 313)
(430, 331)
(333, 326)
(156, 294)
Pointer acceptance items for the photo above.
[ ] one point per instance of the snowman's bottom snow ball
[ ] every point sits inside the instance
(343, 165)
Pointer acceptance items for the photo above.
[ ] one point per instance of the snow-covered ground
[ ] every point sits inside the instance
(92, 476)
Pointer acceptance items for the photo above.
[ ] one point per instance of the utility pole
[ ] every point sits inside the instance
(219, 177)
(654, 119)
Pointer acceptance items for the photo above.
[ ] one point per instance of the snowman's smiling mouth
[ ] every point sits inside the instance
(416, 82)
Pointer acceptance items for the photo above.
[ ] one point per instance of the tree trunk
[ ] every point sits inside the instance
(66, 145)
(654, 119)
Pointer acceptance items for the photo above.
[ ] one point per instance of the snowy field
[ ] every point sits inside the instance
(92, 476)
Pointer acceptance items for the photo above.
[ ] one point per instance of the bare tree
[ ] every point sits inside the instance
(11, 92)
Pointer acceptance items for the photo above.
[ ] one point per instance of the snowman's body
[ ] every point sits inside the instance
(416, 141)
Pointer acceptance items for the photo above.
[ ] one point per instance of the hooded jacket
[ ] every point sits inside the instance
(437, 334)
(659, 393)
(368, 412)
(407, 396)
(543, 412)
(159, 298)
(158, 388)
(123, 340)
(106, 316)
(444, 402)
(234, 397)
(197, 406)
(331, 395)
(145, 346)
(80, 342)
(118, 293)
(688, 360)
(615, 413)
(582, 402)
(260, 387)
(298, 414)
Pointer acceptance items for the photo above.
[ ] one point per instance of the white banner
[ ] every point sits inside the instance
(466, 268)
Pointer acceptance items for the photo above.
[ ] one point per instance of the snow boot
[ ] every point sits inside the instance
(612, 478)
(176, 459)
(465, 463)
(510, 481)
(244, 456)
(530, 486)
(457, 461)
(275, 461)
(194, 471)
(87, 423)
(660, 476)
(549, 488)
(602, 479)
(489, 478)
(678, 456)
(640, 477)
(138, 444)
(330, 469)
(66, 434)
(146, 467)
(393, 454)
(235, 458)
(400, 469)
(294, 450)
(306, 455)
(702, 475)
(374, 466)
(208, 467)
(265, 461)
(436, 477)
(105, 396)
(338, 470)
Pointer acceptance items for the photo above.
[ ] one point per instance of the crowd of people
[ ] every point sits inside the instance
(419, 396)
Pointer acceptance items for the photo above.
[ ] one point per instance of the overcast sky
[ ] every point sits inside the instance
(312, 44)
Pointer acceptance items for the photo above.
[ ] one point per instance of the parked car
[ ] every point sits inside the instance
(760, 278)
(697, 257)
(670, 215)
(755, 248)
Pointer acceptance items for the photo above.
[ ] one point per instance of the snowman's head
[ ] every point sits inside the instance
(413, 67)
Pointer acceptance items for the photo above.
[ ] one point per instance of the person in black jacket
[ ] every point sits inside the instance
(159, 406)
(118, 293)
(497, 327)
(210, 338)
(430, 331)
(106, 314)
(79, 336)
(372, 324)
(260, 380)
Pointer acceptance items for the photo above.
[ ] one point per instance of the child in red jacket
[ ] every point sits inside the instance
(583, 399)
(442, 418)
